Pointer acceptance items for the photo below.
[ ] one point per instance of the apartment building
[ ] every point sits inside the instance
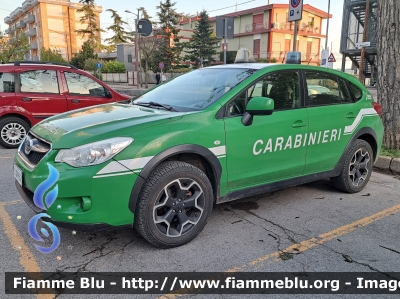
(49, 24)
(266, 32)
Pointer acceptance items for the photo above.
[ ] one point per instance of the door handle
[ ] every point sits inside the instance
(299, 124)
(350, 115)
(26, 99)
(75, 101)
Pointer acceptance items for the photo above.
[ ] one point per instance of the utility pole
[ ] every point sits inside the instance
(295, 36)
(225, 33)
(136, 47)
(137, 50)
(327, 25)
(361, 72)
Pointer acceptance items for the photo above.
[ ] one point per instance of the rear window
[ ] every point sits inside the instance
(7, 82)
(356, 91)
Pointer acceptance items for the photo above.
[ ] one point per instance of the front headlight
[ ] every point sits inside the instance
(93, 153)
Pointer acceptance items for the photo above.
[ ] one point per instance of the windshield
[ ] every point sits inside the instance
(197, 89)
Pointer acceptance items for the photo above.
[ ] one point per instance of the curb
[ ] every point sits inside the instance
(388, 163)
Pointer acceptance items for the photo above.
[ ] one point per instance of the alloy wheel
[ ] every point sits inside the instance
(179, 207)
(13, 133)
(358, 169)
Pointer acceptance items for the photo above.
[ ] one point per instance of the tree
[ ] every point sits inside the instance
(13, 48)
(87, 52)
(147, 48)
(203, 43)
(388, 45)
(92, 31)
(51, 55)
(120, 35)
(168, 45)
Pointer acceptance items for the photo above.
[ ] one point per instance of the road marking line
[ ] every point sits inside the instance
(10, 202)
(6, 157)
(310, 243)
(27, 259)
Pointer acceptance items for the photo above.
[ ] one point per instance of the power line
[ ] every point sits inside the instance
(231, 6)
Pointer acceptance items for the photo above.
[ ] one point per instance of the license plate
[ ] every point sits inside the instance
(18, 174)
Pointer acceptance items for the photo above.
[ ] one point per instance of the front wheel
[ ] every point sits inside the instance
(357, 168)
(12, 131)
(174, 204)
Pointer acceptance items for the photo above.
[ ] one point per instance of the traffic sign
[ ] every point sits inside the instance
(362, 45)
(331, 58)
(144, 27)
(296, 10)
(161, 65)
(99, 65)
(220, 27)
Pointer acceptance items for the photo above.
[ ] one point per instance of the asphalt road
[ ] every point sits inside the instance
(311, 228)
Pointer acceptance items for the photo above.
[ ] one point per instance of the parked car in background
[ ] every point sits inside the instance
(33, 91)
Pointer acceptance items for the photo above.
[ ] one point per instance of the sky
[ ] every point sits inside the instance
(213, 8)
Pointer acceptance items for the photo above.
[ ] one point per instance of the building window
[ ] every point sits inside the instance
(311, 21)
(129, 58)
(54, 10)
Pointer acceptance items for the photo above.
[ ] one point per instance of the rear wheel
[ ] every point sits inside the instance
(174, 204)
(357, 168)
(12, 131)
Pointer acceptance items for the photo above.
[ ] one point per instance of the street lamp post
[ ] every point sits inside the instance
(136, 47)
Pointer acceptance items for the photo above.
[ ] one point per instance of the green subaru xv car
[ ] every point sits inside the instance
(213, 135)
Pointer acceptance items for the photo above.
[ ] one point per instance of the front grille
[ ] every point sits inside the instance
(33, 149)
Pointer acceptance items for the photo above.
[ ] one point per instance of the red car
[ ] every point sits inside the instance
(31, 91)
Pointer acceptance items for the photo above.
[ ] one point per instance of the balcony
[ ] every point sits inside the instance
(302, 28)
(34, 46)
(256, 27)
(27, 4)
(20, 24)
(11, 40)
(7, 20)
(29, 18)
(19, 11)
(31, 32)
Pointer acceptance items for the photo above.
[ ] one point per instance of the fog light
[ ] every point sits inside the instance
(86, 204)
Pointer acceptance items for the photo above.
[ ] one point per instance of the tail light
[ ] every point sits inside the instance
(378, 108)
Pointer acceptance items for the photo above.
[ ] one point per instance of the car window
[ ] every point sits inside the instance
(39, 81)
(356, 91)
(282, 87)
(198, 89)
(326, 89)
(7, 82)
(82, 85)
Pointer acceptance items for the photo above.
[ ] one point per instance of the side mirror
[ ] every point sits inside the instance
(108, 94)
(257, 106)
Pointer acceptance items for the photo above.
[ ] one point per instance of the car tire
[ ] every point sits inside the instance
(174, 204)
(12, 131)
(357, 168)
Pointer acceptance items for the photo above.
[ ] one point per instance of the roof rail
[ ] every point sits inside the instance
(18, 63)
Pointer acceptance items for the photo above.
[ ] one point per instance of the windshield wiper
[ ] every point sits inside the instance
(167, 107)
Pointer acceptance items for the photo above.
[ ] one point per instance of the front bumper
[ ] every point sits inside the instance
(108, 197)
